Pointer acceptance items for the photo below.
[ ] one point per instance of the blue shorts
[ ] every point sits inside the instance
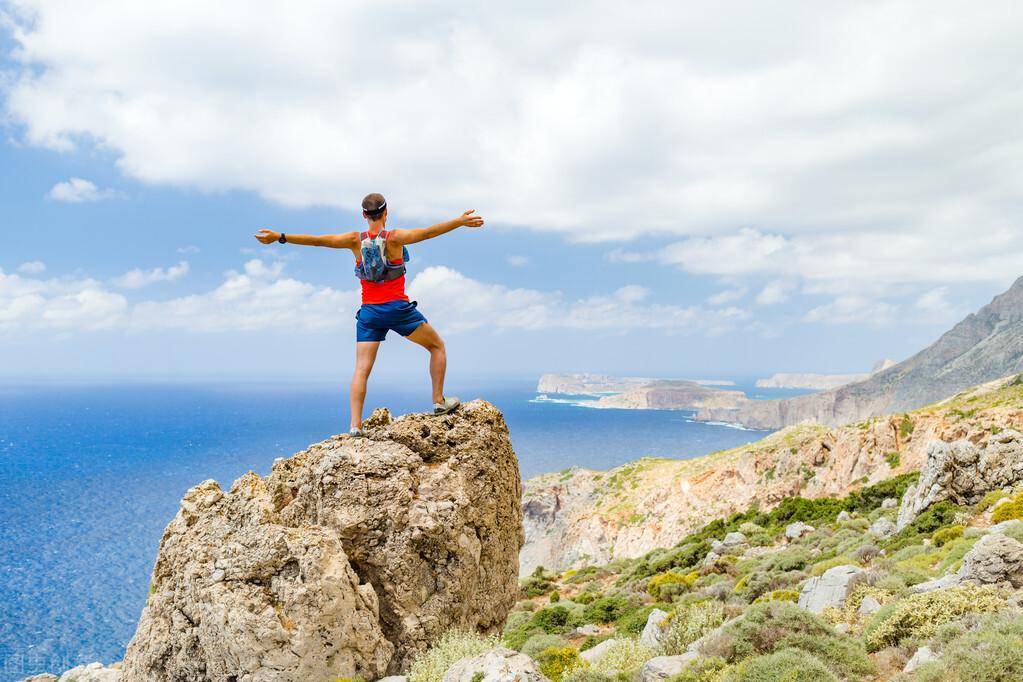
(374, 320)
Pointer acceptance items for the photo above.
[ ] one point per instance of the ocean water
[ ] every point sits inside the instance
(91, 474)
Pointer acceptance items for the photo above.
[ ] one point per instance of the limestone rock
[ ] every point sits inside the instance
(950, 580)
(994, 559)
(921, 656)
(594, 654)
(827, 590)
(733, 543)
(652, 632)
(869, 606)
(94, 672)
(587, 630)
(796, 530)
(889, 503)
(843, 516)
(665, 667)
(347, 560)
(883, 528)
(1004, 526)
(42, 677)
(496, 665)
(963, 472)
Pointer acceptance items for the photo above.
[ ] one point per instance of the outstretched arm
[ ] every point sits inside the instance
(346, 240)
(467, 219)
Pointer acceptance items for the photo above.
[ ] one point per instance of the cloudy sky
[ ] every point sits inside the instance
(684, 189)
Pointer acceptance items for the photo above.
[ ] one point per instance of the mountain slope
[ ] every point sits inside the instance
(986, 345)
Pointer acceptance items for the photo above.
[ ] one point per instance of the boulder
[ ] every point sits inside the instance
(993, 559)
(665, 667)
(883, 528)
(843, 516)
(869, 606)
(828, 590)
(42, 677)
(921, 656)
(796, 530)
(594, 654)
(941, 583)
(94, 672)
(347, 560)
(496, 665)
(652, 632)
(964, 472)
(889, 503)
(1004, 526)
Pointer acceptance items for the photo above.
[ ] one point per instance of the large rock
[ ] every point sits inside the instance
(963, 472)
(652, 632)
(994, 559)
(827, 590)
(94, 672)
(883, 528)
(595, 653)
(347, 560)
(798, 529)
(496, 665)
(665, 667)
(920, 657)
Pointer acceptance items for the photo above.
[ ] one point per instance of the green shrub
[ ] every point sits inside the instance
(870, 498)
(585, 597)
(538, 583)
(934, 517)
(552, 619)
(906, 426)
(752, 585)
(540, 642)
(787, 665)
(555, 597)
(687, 624)
(707, 669)
(769, 627)
(633, 622)
(587, 674)
(592, 641)
(989, 500)
(1009, 510)
(778, 595)
(989, 653)
(793, 559)
(452, 646)
(919, 615)
(947, 534)
(606, 610)
(893, 459)
(624, 656)
(554, 662)
(658, 582)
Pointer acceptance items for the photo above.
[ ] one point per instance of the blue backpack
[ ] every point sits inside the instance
(374, 266)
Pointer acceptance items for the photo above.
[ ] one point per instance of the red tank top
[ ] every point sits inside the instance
(384, 292)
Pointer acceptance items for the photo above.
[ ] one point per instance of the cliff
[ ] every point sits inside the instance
(346, 561)
(984, 346)
(580, 516)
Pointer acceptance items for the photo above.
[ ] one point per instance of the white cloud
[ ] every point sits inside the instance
(517, 261)
(852, 309)
(934, 301)
(727, 296)
(138, 278)
(190, 249)
(775, 292)
(594, 119)
(57, 304)
(77, 191)
(32, 267)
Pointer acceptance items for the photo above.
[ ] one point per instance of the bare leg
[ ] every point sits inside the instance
(427, 337)
(365, 356)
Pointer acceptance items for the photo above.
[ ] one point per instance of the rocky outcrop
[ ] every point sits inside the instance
(496, 665)
(963, 471)
(994, 560)
(672, 395)
(983, 347)
(662, 668)
(653, 631)
(828, 590)
(347, 560)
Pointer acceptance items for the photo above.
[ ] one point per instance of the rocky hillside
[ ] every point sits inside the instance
(819, 382)
(580, 516)
(986, 345)
(347, 561)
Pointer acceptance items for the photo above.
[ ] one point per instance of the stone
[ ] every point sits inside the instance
(869, 606)
(994, 559)
(665, 667)
(42, 677)
(827, 590)
(594, 654)
(950, 580)
(94, 672)
(735, 539)
(883, 528)
(796, 530)
(921, 656)
(963, 472)
(889, 503)
(652, 632)
(588, 630)
(346, 561)
(496, 665)
(843, 516)
(711, 558)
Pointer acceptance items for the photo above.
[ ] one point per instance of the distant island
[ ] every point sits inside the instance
(639, 393)
(819, 382)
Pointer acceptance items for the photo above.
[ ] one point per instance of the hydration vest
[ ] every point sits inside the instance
(374, 266)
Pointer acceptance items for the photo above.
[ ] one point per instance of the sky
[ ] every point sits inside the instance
(696, 189)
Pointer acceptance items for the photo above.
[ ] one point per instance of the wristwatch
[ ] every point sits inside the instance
(282, 239)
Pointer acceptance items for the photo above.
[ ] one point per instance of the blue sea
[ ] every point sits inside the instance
(90, 474)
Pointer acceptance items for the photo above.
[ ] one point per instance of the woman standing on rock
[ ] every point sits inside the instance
(380, 257)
